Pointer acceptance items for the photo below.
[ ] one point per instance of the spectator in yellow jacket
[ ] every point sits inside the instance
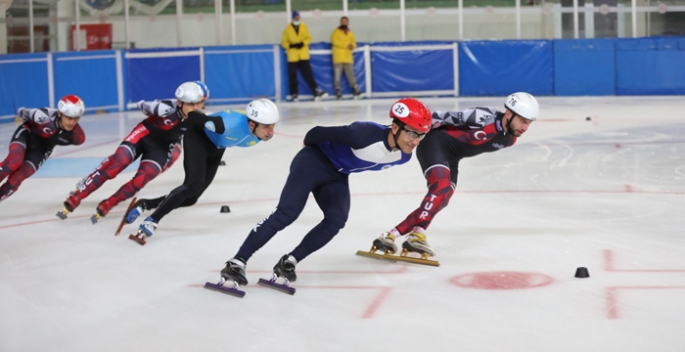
(295, 41)
(343, 43)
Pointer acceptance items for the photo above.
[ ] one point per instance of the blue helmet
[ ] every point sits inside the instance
(205, 89)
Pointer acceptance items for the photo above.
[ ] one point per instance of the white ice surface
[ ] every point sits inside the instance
(607, 194)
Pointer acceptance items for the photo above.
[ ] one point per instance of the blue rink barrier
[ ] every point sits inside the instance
(584, 67)
(116, 80)
(650, 66)
(24, 82)
(240, 73)
(498, 68)
(93, 76)
(155, 73)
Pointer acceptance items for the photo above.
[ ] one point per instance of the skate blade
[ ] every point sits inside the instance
(226, 290)
(94, 219)
(141, 241)
(397, 258)
(276, 286)
(123, 219)
(62, 214)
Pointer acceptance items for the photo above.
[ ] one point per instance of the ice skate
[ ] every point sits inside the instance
(293, 98)
(69, 205)
(338, 94)
(146, 229)
(235, 272)
(416, 242)
(285, 269)
(134, 212)
(385, 243)
(125, 217)
(101, 211)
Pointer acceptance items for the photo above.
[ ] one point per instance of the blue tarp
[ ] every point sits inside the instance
(91, 75)
(497, 68)
(157, 77)
(23, 82)
(412, 70)
(650, 66)
(235, 72)
(584, 67)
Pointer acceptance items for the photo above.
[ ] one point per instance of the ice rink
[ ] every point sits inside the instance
(605, 193)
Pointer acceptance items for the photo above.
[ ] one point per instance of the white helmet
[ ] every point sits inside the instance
(262, 111)
(189, 92)
(71, 106)
(524, 105)
(205, 89)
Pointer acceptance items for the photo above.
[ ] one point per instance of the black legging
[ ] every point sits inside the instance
(306, 70)
(200, 162)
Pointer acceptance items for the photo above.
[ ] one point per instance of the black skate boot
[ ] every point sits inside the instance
(338, 94)
(356, 93)
(285, 269)
(320, 94)
(416, 242)
(234, 271)
(385, 243)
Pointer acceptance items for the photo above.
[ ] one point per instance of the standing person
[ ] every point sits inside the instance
(295, 41)
(153, 140)
(33, 141)
(322, 168)
(343, 44)
(203, 153)
(457, 135)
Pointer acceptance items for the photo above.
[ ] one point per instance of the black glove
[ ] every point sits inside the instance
(297, 45)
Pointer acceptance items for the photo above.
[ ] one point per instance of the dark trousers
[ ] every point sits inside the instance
(310, 171)
(306, 70)
(201, 161)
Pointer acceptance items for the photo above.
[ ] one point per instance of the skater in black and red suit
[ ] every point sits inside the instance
(454, 136)
(32, 143)
(153, 140)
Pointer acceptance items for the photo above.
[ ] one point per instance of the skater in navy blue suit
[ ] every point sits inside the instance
(322, 167)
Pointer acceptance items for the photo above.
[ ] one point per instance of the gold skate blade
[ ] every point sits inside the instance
(397, 258)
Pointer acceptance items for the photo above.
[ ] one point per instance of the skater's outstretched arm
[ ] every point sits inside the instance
(157, 107)
(37, 116)
(200, 120)
(473, 117)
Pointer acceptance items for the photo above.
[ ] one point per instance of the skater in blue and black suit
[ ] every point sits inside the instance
(203, 152)
(322, 168)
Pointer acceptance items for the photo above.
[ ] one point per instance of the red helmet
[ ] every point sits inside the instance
(71, 106)
(412, 113)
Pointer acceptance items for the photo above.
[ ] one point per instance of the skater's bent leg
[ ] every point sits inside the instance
(334, 200)
(440, 190)
(147, 171)
(153, 203)
(307, 171)
(174, 153)
(174, 200)
(15, 179)
(115, 163)
(14, 160)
